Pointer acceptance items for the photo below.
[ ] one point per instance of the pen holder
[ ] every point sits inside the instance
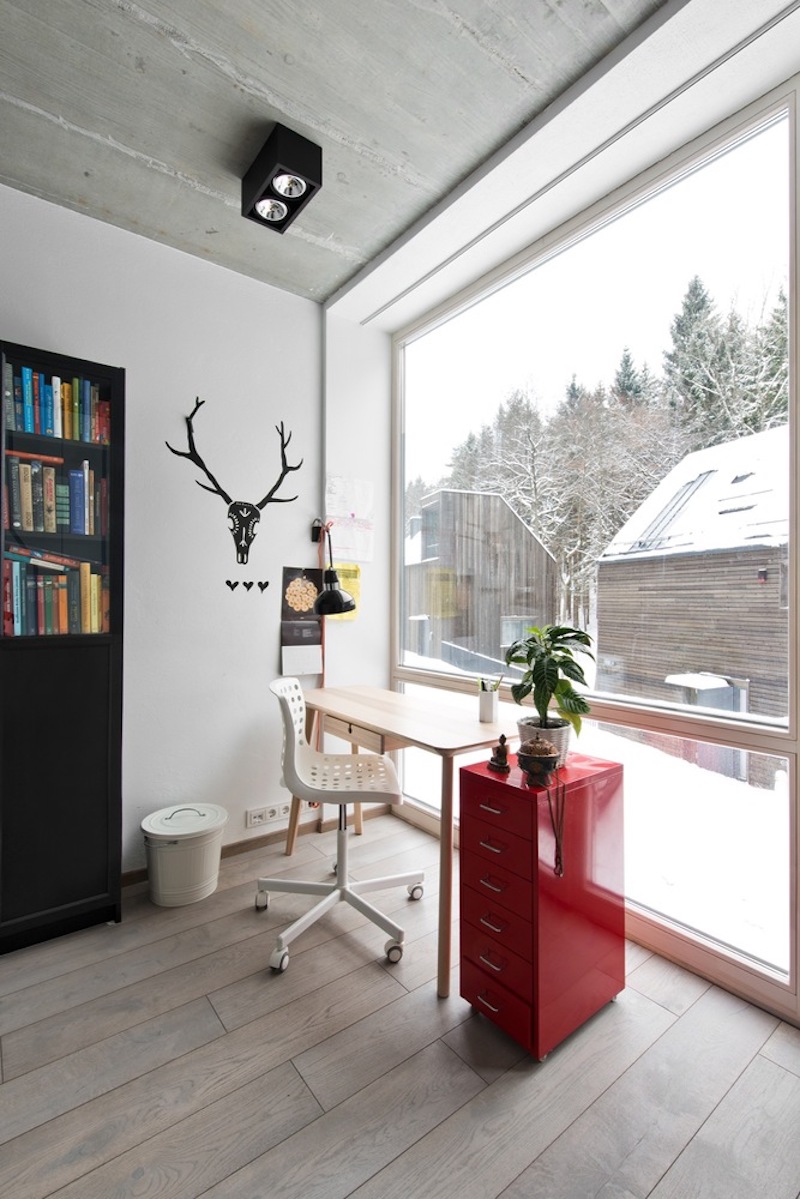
(488, 707)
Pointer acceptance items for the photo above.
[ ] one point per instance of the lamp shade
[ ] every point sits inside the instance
(285, 174)
(332, 601)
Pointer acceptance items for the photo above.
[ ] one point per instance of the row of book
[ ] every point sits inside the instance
(42, 496)
(53, 407)
(42, 597)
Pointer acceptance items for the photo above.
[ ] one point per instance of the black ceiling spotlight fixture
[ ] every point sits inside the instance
(286, 173)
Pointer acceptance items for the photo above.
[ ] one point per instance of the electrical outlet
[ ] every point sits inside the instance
(255, 817)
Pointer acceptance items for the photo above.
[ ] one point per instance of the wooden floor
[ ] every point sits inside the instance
(160, 1057)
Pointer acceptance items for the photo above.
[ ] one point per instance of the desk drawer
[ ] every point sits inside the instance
(496, 961)
(500, 1005)
(356, 734)
(510, 929)
(495, 883)
(497, 846)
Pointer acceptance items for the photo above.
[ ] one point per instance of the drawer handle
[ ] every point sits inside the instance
(485, 1002)
(492, 848)
(487, 961)
(487, 807)
(485, 882)
(493, 928)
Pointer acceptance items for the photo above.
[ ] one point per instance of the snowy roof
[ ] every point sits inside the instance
(728, 496)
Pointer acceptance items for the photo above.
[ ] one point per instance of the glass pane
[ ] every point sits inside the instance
(707, 838)
(57, 426)
(604, 441)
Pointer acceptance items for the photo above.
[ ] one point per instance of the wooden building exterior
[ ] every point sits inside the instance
(476, 577)
(692, 599)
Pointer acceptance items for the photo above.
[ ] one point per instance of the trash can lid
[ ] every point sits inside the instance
(185, 820)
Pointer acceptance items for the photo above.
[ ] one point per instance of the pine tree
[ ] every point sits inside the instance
(628, 386)
(689, 365)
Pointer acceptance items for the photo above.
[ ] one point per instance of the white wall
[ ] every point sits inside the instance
(199, 723)
(358, 432)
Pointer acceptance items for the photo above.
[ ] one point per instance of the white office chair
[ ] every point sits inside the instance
(340, 779)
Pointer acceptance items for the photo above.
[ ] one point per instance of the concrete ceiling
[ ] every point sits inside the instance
(146, 115)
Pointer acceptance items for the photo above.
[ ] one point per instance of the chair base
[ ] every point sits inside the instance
(344, 890)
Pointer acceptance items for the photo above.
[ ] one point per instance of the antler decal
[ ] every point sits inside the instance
(194, 457)
(270, 497)
(243, 517)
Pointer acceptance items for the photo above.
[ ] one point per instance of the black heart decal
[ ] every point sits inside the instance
(247, 586)
(232, 586)
(262, 587)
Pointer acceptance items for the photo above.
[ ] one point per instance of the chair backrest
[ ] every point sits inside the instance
(328, 778)
(293, 712)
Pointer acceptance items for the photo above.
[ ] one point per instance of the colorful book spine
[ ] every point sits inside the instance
(105, 604)
(61, 603)
(36, 379)
(87, 496)
(17, 599)
(86, 410)
(62, 505)
(24, 551)
(53, 459)
(37, 496)
(26, 497)
(58, 424)
(26, 375)
(14, 493)
(49, 495)
(85, 574)
(66, 410)
(77, 502)
(9, 415)
(104, 422)
(48, 416)
(19, 419)
(31, 603)
(76, 409)
(73, 602)
(8, 598)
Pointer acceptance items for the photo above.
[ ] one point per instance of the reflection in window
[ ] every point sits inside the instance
(607, 445)
(706, 838)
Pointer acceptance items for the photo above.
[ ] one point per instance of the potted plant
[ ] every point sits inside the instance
(550, 669)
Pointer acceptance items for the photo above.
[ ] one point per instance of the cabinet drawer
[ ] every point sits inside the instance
(510, 929)
(494, 882)
(497, 961)
(501, 807)
(497, 846)
(502, 1007)
(356, 734)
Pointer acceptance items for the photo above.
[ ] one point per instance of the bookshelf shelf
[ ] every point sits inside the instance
(60, 643)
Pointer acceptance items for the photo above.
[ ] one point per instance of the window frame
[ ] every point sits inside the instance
(750, 733)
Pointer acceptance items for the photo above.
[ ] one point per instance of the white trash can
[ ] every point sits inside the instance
(183, 846)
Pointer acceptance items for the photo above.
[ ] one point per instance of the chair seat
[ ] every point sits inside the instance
(347, 778)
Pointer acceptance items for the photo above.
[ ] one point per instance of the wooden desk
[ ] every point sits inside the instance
(442, 724)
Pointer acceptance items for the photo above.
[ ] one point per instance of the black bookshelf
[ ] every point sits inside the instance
(63, 426)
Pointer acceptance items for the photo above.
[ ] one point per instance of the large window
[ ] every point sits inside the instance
(604, 439)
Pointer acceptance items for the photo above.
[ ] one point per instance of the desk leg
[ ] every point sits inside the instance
(445, 877)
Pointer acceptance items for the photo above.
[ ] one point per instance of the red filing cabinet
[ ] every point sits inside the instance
(542, 950)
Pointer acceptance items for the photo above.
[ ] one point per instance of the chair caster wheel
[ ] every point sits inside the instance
(279, 960)
(416, 891)
(393, 951)
(262, 901)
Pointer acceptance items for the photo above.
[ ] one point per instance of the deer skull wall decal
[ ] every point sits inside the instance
(243, 517)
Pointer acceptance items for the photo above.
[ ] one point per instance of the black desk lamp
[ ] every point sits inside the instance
(332, 600)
